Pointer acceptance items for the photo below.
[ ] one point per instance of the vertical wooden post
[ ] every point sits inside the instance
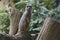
(50, 30)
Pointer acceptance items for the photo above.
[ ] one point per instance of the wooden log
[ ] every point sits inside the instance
(50, 30)
(9, 37)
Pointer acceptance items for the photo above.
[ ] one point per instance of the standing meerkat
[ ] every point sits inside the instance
(14, 15)
(23, 29)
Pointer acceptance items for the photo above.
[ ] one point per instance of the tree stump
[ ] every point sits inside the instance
(50, 30)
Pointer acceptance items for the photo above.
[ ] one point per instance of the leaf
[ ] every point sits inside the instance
(1, 10)
(20, 5)
(38, 29)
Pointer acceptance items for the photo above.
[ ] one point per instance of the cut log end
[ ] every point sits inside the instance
(50, 30)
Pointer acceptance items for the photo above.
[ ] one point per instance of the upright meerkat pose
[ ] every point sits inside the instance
(14, 15)
(24, 24)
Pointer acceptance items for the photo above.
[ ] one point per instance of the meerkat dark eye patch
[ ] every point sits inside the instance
(10, 10)
(29, 6)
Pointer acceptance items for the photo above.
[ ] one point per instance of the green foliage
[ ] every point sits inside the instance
(50, 4)
(20, 5)
(15, 1)
(1, 10)
(4, 22)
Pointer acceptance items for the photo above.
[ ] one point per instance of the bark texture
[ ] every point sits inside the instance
(50, 30)
(9, 37)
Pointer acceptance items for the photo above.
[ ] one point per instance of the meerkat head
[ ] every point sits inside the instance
(28, 7)
(9, 9)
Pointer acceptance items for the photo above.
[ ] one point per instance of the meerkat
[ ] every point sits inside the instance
(14, 15)
(23, 29)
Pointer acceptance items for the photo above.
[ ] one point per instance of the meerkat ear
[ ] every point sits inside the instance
(9, 5)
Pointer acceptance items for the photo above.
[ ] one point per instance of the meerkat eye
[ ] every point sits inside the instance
(28, 7)
(9, 9)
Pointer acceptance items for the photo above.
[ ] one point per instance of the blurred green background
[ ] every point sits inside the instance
(40, 9)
